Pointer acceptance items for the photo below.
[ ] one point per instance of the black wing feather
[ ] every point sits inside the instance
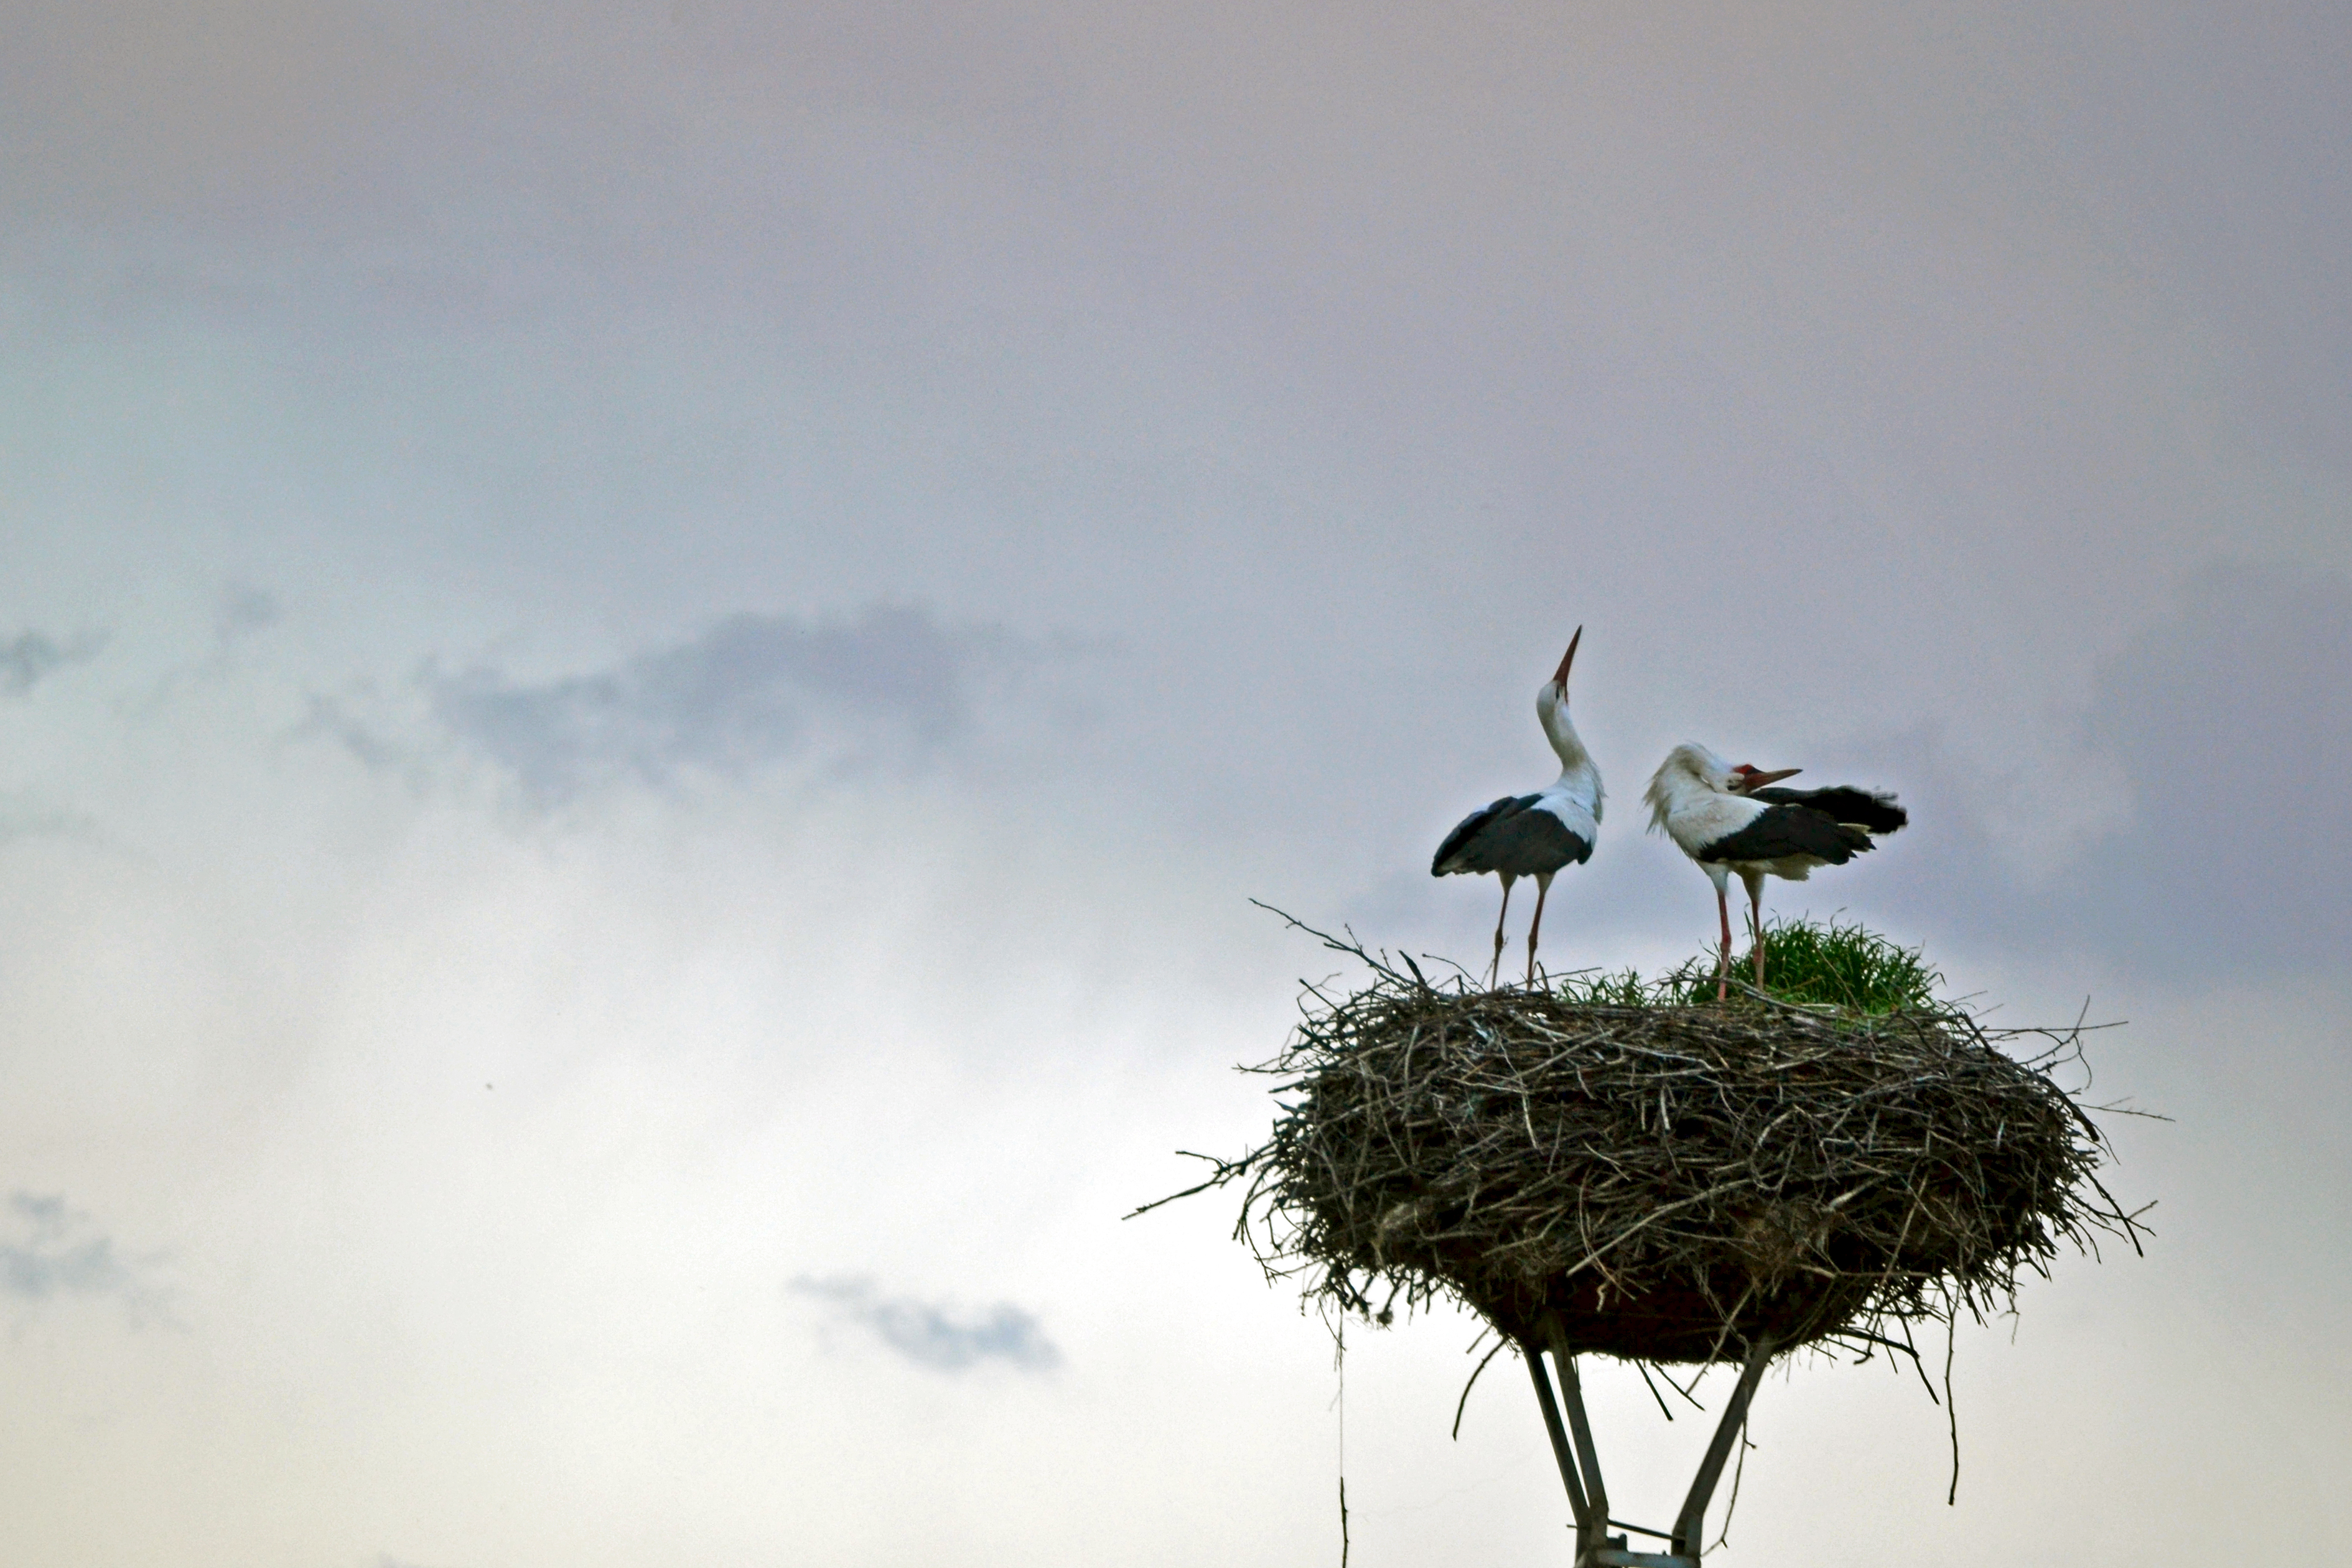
(1786, 830)
(1511, 838)
(1872, 810)
(1467, 827)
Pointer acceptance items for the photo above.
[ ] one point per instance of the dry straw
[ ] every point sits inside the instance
(1621, 1171)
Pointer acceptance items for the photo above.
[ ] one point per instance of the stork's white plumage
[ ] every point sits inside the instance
(1533, 835)
(1726, 820)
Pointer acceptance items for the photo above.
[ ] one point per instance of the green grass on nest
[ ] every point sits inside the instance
(1806, 964)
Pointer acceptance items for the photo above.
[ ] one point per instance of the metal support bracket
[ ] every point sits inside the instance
(1579, 1465)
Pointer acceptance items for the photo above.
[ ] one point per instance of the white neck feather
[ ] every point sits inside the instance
(1577, 773)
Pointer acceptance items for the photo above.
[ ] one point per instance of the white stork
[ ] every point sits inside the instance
(1533, 835)
(1726, 820)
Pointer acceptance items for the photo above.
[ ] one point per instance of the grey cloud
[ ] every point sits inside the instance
(53, 1253)
(244, 610)
(750, 690)
(30, 657)
(933, 1336)
(28, 816)
(240, 613)
(2231, 720)
(893, 684)
(337, 719)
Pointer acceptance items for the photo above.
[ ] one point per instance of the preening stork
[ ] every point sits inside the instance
(1728, 819)
(1533, 835)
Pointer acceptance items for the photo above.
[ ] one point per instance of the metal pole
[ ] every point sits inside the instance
(1572, 1396)
(1691, 1526)
(1576, 1499)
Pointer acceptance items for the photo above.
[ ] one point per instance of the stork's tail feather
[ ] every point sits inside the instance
(1873, 810)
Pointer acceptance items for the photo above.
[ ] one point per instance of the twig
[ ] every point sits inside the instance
(1739, 1469)
(1463, 1403)
(1643, 1368)
(1339, 1365)
(1952, 1412)
(1226, 1170)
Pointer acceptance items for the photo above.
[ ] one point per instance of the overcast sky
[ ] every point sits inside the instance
(649, 652)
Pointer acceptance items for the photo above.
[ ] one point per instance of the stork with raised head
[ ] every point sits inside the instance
(1533, 835)
(1728, 819)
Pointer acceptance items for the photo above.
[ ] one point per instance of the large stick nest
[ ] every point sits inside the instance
(1664, 1182)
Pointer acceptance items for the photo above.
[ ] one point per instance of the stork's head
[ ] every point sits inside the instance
(1692, 763)
(1689, 775)
(1748, 777)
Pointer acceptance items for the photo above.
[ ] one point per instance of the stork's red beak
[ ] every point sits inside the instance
(1560, 675)
(1748, 777)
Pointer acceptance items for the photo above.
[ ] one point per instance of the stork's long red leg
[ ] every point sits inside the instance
(1543, 889)
(1723, 959)
(1496, 967)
